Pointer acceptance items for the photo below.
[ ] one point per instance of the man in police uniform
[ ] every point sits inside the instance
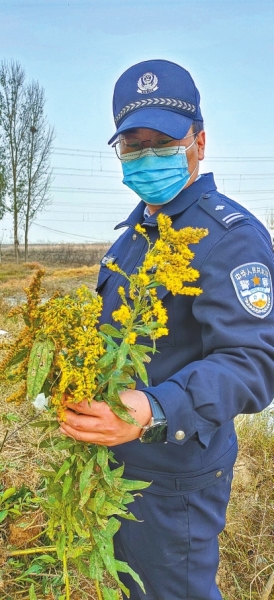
(217, 359)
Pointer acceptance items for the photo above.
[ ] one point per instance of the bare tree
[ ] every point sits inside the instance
(26, 146)
(38, 148)
(13, 127)
(3, 187)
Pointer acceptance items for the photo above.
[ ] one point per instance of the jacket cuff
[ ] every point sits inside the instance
(183, 421)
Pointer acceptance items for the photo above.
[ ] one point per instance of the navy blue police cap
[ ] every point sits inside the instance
(156, 94)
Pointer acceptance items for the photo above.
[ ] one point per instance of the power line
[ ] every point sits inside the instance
(67, 233)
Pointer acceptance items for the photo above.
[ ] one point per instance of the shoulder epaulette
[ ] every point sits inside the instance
(221, 209)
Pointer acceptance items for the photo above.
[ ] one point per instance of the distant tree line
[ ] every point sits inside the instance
(26, 141)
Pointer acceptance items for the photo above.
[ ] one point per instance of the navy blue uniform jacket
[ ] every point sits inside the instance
(217, 359)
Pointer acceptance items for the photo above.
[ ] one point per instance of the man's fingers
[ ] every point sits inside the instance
(86, 407)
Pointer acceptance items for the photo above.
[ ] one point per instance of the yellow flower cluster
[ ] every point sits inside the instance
(122, 315)
(15, 363)
(170, 257)
(72, 324)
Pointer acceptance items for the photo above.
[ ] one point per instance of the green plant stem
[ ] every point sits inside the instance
(98, 590)
(66, 575)
(32, 551)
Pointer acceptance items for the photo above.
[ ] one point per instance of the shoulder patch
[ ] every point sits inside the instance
(108, 259)
(253, 286)
(221, 210)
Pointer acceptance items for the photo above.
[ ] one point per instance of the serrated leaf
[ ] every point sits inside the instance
(40, 360)
(110, 330)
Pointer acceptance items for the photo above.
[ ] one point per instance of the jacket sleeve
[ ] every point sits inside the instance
(236, 373)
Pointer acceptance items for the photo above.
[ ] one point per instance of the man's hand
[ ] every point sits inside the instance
(97, 424)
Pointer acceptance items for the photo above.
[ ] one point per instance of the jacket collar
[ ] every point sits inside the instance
(203, 185)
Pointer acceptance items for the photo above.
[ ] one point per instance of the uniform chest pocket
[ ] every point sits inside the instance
(105, 284)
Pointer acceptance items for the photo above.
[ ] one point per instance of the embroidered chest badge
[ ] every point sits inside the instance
(253, 286)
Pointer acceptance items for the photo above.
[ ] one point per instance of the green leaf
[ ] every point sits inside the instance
(130, 485)
(32, 595)
(47, 558)
(63, 469)
(110, 330)
(102, 457)
(143, 349)
(35, 568)
(112, 526)
(40, 361)
(106, 359)
(122, 354)
(82, 533)
(61, 545)
(138, 365)
(3, 515)
(17, 358)
(99, 499)
(123, 567)
(7, 494)
(85, 476)
(96, 566)
(110, 594)
(67, 485)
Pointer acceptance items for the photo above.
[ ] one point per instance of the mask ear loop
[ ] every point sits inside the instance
(183, 152)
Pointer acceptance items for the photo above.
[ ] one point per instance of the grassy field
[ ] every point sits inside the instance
(247, 557)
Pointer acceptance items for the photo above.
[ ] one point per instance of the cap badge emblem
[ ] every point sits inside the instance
(147, 83)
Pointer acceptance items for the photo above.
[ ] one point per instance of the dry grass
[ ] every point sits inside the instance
(247, 557)
(247, 544)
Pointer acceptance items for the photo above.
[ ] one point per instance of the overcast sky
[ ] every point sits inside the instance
(77, 49)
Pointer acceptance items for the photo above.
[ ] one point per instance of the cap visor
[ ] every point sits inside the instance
(160, 119)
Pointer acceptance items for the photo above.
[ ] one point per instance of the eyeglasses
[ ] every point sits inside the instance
(128, 148)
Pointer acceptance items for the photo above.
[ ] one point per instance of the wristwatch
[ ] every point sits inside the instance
(156, 429)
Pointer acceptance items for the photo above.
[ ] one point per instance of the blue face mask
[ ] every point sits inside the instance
(157, 179)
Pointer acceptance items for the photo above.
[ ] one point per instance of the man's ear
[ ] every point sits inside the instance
(200, 141)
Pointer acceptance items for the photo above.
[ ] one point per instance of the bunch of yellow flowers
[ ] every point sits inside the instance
(62, 349)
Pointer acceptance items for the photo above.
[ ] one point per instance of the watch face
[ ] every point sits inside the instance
(155, 433)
